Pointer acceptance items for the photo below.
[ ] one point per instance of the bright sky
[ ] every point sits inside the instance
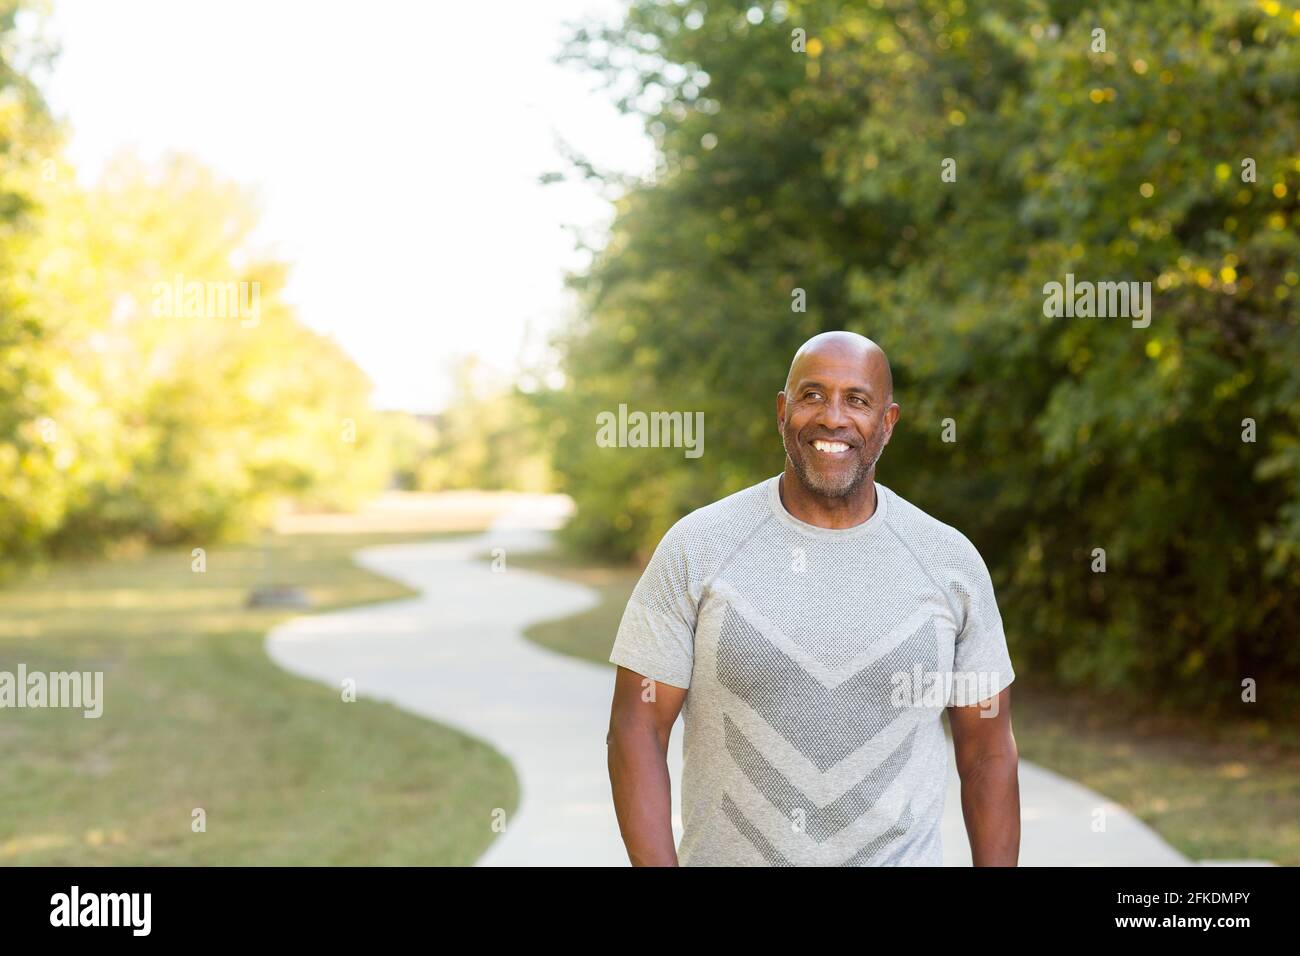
(395, 144)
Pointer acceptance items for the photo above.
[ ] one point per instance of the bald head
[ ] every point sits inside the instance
(845, 348)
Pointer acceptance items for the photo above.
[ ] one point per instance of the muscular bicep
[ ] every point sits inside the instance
(982, 730)
(640, 702)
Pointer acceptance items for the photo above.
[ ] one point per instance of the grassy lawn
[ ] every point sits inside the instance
(1213, 792)
(197, 716)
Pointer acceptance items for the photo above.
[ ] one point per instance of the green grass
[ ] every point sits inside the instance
(589, 634)
(197, 716)
(1212, 790)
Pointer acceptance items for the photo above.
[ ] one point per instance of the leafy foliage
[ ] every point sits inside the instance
(820, 170)
(121, 420)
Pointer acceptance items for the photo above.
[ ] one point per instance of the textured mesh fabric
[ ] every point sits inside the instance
(818, 663)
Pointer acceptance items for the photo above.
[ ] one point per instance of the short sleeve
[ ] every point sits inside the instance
(981, 666)
(656, 637)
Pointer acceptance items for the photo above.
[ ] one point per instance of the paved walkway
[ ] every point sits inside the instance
(455, 654)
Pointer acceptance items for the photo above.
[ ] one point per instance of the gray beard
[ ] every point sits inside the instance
(816, 485)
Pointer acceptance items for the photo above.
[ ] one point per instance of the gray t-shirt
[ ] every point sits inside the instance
(818, 662)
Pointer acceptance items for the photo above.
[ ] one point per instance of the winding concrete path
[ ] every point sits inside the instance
(455, 654)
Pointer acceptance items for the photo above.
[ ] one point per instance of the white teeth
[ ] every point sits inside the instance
(835, 447)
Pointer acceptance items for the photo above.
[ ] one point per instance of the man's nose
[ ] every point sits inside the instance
(833, 414)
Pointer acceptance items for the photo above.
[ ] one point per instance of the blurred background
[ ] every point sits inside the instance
(271, 270)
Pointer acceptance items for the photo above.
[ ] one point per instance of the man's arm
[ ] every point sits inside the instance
(990, 785)
(640, 723)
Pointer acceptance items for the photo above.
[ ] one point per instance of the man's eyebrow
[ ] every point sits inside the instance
(863, 389)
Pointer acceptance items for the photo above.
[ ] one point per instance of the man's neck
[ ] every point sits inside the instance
(824, 512)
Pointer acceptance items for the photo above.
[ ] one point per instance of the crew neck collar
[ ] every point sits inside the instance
(875, 522)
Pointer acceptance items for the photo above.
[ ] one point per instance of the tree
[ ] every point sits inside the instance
(188, 400)
(824, 171)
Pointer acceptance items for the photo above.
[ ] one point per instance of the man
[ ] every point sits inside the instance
(812, 629)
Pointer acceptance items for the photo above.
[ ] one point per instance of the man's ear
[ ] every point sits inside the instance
(891, 419)
(780, 411)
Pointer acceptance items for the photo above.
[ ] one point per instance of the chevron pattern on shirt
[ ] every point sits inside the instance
(824, 724)
(820, 823)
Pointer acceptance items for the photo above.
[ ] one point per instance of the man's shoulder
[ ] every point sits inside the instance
(723, 521)
(932, 540)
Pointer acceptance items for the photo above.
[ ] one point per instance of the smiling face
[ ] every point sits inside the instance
(836, 413)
